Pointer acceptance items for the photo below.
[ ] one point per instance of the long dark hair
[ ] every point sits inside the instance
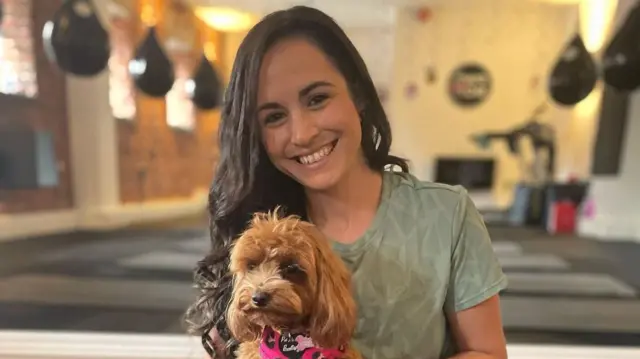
(246, 181)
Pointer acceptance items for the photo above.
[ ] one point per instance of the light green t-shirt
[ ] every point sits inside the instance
(427, 253)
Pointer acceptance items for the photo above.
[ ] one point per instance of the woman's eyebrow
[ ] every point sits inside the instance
(312, 86)
(302, 93)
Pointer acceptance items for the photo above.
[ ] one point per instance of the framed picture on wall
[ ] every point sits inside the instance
(470, 85)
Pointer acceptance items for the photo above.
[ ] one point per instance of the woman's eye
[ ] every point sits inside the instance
(273, 118)
(317, 100)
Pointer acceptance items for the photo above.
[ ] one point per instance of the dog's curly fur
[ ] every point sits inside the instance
(308, 285)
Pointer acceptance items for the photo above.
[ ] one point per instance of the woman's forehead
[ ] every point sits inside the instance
(291, 65)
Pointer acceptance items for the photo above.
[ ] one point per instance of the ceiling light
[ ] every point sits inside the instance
(226, 19)
(595, 22)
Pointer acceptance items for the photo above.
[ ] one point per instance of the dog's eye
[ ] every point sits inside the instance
(292, 272)
(251, 266)
(291, 268)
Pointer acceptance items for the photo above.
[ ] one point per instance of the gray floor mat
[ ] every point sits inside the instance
(63, 290)
(533, 261)
(506, 248)
(574, 284)
(571, 314)
(162, 260)
(199, 245)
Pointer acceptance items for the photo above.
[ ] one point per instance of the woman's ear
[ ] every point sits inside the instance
(362, 109)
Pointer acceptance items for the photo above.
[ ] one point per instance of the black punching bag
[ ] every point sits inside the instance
(205, 87)
(621, 60)
(574, 75)
(75, 39)
(151, 69)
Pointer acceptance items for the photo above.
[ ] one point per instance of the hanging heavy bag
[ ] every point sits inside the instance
(75, 39)
(621, 60)
(151, 69)
(574, 75)
(205, 87)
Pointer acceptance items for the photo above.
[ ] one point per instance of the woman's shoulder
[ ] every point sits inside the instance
(422, 212)
(414, 194)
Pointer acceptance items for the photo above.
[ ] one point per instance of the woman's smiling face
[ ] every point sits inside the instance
(309, 123)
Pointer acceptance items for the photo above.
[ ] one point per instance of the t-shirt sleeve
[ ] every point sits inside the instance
(476, 274)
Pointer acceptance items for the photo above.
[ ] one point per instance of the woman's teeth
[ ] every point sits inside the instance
(317, 156)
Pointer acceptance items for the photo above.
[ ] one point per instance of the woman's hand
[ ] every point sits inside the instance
(218, 344)
(478, 331)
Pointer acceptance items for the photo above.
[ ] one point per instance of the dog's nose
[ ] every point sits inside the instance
(260, 299)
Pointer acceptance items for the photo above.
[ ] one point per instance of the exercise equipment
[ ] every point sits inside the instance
(542, 137)
(205, 87)
(529, 204)
(75, 39)
(574, 76)
(151, 68)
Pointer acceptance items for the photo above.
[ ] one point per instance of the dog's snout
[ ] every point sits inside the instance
(260, 298)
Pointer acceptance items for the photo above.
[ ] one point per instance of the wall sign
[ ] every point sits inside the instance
(469, 85)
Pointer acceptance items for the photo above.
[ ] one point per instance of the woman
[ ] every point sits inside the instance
(303, 127)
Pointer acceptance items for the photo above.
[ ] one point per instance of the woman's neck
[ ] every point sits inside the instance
(345, 211)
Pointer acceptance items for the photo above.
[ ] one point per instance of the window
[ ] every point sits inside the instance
(181, 112)
(122, 90)
(17, 63)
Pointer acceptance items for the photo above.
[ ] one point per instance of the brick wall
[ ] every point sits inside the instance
(157, 162)
(160, 162)
(47, 112)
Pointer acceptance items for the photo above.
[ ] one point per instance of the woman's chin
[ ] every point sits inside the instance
(322, 175)
(319, 181)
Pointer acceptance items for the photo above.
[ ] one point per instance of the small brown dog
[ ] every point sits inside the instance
(292, 295)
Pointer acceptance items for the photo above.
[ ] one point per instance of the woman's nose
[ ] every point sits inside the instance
(303, 130)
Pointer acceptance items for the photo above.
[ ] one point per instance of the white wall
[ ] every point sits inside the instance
(376, 46)
(616, 198)
(518, 42)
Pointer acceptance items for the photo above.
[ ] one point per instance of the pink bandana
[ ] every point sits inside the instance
(296, 346)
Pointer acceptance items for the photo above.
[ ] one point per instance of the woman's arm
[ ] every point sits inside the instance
(218, 343)
(478, 331)
(472, 305)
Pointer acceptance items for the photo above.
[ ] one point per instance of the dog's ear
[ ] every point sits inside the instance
(239, 325)
(333, 319)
